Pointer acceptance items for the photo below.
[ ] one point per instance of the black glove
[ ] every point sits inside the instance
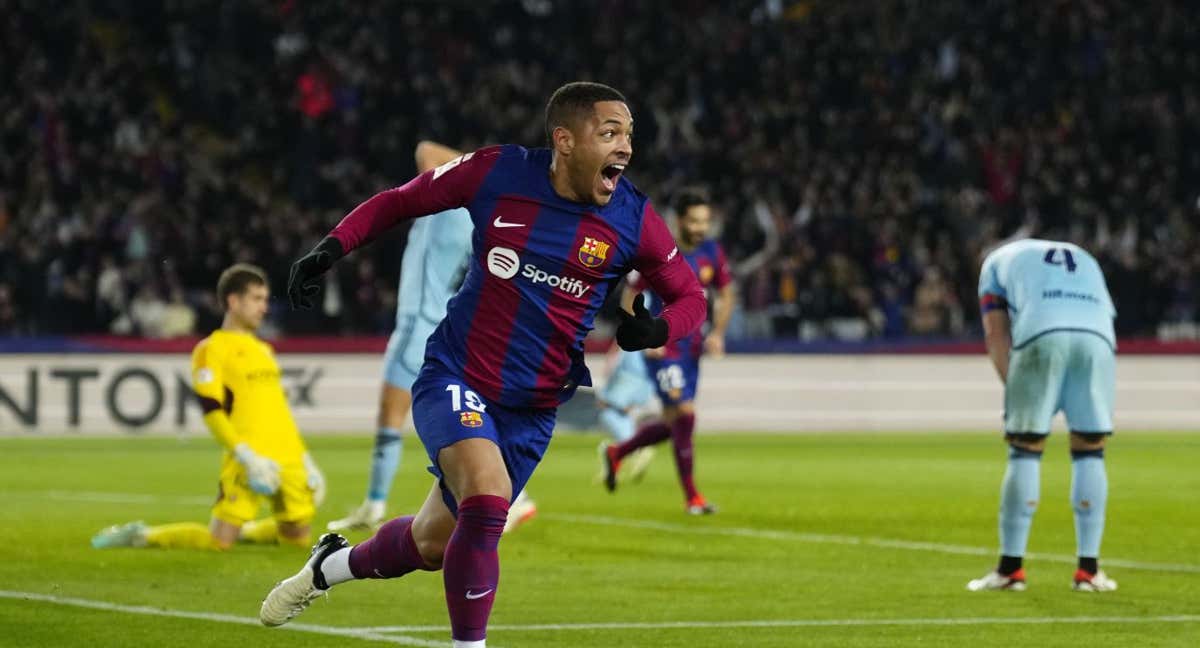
(303, 282)
(640, 330)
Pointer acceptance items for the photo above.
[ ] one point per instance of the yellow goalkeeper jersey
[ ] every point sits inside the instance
(238, 372)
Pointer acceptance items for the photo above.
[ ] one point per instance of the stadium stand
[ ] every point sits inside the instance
(862, 154)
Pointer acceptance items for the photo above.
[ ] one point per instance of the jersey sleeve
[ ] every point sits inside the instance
(723, 276)
(669, 276)
(992, 295)
(207, 379)
(454, 184)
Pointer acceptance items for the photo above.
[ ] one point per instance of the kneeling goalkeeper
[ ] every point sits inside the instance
(237, 380)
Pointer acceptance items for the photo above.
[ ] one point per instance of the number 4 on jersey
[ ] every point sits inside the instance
(1066, 258)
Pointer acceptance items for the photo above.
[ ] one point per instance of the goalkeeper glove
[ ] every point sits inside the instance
(316, 480)
(302, 281)
(261, 472)
(640, 330)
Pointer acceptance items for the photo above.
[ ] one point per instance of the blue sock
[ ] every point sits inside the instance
(1018, 500)
(384, 463)
(1089, 495)
(618, 424)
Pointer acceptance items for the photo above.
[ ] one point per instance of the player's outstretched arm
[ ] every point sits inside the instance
(453, 184)
(672, 279)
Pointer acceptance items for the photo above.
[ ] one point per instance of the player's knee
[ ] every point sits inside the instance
(1026, 441)
(1088, 441)
(432, 552)
(499, 485)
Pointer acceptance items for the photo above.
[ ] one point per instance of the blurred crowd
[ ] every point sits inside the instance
(862, 155)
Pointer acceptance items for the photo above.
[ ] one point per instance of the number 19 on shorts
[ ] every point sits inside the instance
(458, 395)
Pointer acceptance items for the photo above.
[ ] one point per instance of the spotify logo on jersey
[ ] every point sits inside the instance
(503, 262)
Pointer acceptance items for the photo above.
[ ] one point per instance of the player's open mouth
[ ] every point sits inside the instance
(610, 174)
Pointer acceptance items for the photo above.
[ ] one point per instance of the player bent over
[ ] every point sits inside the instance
(237, 380)
(555, 229)
(1048, 322)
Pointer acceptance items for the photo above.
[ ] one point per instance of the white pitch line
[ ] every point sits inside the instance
(353, 633)
(767, 534)
(794, 623)
(890, 543)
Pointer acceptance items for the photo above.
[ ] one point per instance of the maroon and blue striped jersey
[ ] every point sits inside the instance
(708, 261)
(540, 269)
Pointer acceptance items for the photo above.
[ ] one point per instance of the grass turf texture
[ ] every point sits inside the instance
(837, 502)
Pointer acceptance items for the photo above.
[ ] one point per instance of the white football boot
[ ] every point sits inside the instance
(522, 510)
(994, 580)
(368, 516)
(1098, 582)
(291, 596)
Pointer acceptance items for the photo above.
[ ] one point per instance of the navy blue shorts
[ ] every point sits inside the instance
(674, 379)
(446, 411)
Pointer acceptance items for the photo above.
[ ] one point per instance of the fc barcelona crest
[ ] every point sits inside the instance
(593, 253)
(470, 419)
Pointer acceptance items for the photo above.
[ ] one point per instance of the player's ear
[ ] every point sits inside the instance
(564, 140)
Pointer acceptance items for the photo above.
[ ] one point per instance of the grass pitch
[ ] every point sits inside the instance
(838, 539)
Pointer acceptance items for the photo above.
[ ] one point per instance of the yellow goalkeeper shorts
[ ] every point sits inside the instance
(237, 504)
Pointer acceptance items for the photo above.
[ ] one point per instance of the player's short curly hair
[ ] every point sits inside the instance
(575, 101)
(689, 197)
(237, 278)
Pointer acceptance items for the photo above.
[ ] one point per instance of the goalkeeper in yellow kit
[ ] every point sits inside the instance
(237, 380)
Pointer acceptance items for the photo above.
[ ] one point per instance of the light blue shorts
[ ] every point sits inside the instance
(406, 351)
(1071, 371)
(628, 385)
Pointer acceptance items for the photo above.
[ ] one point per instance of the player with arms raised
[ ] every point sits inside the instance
(1048, 324)
(675, 368)
(435, 258)
(555, 229)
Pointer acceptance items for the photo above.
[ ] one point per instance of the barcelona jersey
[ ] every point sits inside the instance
(541, 267)
(708, 261)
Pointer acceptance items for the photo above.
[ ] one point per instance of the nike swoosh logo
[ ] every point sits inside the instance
(500, 223)
(471, 596)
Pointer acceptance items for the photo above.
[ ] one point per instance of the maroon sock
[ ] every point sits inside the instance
(681, 440)
(471, 568)
(390, 553)
(647, 435)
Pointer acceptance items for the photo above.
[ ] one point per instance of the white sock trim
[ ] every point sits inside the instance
(336, 567)
(470, 644)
